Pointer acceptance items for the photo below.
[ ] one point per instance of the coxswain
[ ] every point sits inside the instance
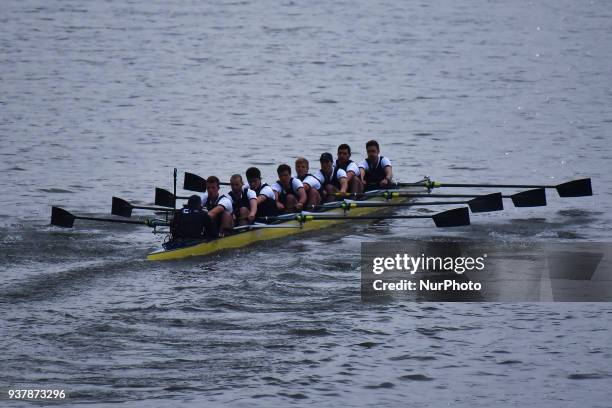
(289, 191)
(192, 223)
(353, 176)
(376, 171)
(332, 179)
(310, 182)
(219, 207)
(266, 199)
(244, 201)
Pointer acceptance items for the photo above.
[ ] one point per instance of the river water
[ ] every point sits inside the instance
(106, 98)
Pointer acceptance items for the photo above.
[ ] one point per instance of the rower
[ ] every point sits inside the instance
(376, 171)
(310, 182)
(192, 223)
(289, 191)
(332, 179)
(266, 199)
(244, 201)
(219, 207)
(344, 162)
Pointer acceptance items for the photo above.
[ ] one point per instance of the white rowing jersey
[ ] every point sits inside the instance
(352, 166)
(296, 184)
(251, 194)
(222, 200)
(339, 174)
(312, 181)
(382, 162)
(265, 191)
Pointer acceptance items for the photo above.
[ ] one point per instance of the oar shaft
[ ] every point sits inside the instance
(315, 217)
(145, 207)
(491, 185)
(414, 204)
(78, 217)
(364, 217)
(574, 188)
(395, 193)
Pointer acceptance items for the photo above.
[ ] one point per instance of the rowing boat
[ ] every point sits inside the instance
(363, 207)
(279, 230)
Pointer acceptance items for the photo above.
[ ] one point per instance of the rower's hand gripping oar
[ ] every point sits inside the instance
(574, 188)
(193, 182)
(63, 218)
(124, 208)
(457, 217)
(528, 198)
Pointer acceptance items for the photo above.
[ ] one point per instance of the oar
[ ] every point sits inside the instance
(452, 218)
(480, 204)
(265, 226)
(63, 218)
(528, 198)
(124, 208)
(575, 188)
(165, 198)
(193, 182)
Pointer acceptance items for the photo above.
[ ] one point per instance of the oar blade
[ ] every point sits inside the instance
(457, 217)
(121, 207)
(529, 198)
(575, 188)
(61, 218)
(164, 198)
(486, 203)
(193, 182)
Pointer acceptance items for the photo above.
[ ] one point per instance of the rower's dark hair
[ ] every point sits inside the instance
(252, 173)
(194, 202)
(236, 176)
(344, 146)
(283, 168)
(212, 180)
(372, 143)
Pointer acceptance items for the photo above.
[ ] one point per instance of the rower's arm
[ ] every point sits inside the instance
(389, 173)
(279, 205)
(388, 176)
(302, 196)
(343, 184)
(253, 210)
(362, 174)
(216, 211)
(261, 198)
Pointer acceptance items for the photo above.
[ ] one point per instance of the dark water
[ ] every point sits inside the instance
(105, 98)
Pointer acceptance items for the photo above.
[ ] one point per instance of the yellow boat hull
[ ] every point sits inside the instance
(244, 239)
